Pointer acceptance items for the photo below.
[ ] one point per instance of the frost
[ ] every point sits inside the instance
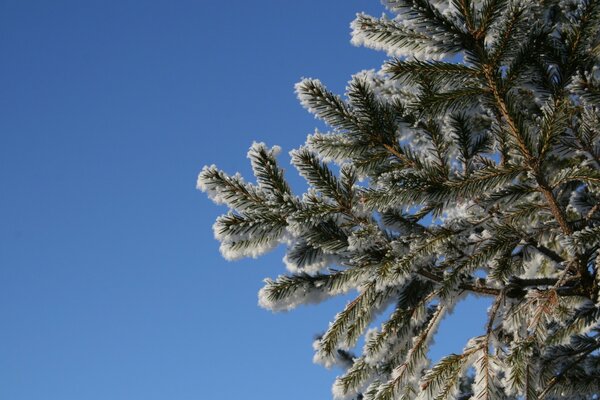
(232, 251)
(261, 146)
(305, 295)
(580, 203)
(487, 368)
(307, 99)
(364, 240)
(537, 266)
(320, 358)
(339, 392)
(203, 184)
(462, 210)
(422, 49)
(310, 268)
(225, 189)
(325, 145)
(417, 184)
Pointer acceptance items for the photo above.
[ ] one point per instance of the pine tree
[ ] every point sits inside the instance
(470, 163)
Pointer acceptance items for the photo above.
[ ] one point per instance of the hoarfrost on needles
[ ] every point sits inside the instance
(304, 295)
(448, 181)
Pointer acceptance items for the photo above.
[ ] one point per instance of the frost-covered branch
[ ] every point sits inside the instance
(470, 163)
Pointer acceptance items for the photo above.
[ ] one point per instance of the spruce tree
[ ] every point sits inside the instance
(470, 163)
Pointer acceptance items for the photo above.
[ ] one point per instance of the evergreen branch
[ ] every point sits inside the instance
(507, 35)
(578, 173)
(479, 182)
(376, 163)
(423, 188)
(313, 210)
(287, 285)
(319, 175)
(409, 313)
(465, 15)
(588, 134)
(462, 134)
(405, 156)
(406, 192)
(585, 239)
(553, 125)
(556, 379)
(524, 146)
(582, 31)
(555, 208)
(469, 144)
(251, 246)
(328, 236)
(530, 384)
(522, 213)
(446, 102)
(348, 178)
(378, 121)
(328, 344)
(471, 287)
(421, 250)
(505, 266)
(582, 320)
(475, 176)
(268, 174)
(504, 239)
(486, 385)
(526, 57)
(354, 379)
(231, 226)
(441, 381)
(490, 12)
(231, 190)
(427, 17)
(509, 194)
(587, 88)
(394, 219)
(338, 147)
(544, 303)
(414, 356)
(303, 255)
(513, 118)
(518, 376)
(391, 36)
(325, 105)
(358, 326)
(288, 291)
(437, 71)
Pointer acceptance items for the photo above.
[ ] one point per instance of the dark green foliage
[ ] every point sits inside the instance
(469, 164)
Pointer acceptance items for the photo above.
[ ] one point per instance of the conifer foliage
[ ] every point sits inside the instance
(470, 163)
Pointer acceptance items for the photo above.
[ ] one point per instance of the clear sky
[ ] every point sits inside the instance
(111, 284)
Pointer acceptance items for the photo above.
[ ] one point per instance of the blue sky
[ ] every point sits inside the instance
(111, 284)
